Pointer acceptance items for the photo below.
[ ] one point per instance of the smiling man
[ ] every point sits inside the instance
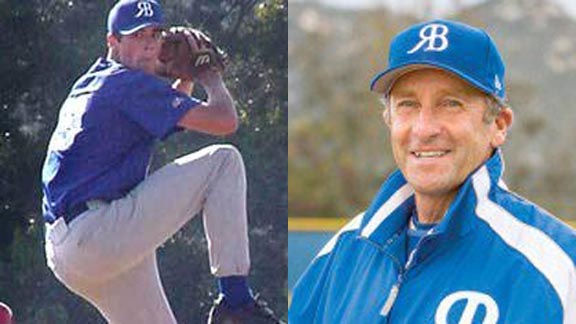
(444, 241)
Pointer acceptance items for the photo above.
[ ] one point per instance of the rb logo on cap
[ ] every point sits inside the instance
(430, 34)
(144, 9)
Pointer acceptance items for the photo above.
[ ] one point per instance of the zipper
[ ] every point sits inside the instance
(395, 290)
(393, 294)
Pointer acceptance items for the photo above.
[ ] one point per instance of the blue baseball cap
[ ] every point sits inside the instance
(129, 16)
(463, 50)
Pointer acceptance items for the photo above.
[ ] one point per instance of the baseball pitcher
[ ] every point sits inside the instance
(105, 215)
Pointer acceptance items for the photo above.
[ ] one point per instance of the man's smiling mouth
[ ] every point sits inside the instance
(429, 154)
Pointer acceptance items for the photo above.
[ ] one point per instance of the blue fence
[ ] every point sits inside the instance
(306, 236)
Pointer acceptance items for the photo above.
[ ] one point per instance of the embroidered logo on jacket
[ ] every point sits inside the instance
(474, 302)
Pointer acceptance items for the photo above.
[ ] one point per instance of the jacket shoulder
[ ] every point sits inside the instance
(351, 227)
(544, 241)
(539, 219)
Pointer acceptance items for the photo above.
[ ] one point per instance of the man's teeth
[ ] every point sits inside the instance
(430, 154)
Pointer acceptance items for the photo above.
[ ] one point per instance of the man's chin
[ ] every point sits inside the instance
(431, 185)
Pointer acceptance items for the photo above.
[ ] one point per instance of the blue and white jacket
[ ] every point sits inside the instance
(494, 258)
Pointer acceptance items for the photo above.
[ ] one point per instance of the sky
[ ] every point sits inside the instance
(441, 7)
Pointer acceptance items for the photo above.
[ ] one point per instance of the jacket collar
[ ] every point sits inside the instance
(390, 210)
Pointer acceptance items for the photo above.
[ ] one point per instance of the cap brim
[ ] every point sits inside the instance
(384, 81)
(137, 28)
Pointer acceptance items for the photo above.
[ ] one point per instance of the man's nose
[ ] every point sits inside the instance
(426, 124)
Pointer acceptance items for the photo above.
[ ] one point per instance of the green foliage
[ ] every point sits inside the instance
(45, 46)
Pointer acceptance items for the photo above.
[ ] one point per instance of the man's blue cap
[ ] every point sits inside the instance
(129, 16)
(464, 50)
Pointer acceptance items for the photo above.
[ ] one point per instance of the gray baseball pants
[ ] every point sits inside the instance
(107, 254)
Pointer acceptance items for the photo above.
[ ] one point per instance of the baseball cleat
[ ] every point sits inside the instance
(256, 312)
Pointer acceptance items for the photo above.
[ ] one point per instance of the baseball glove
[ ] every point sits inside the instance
(187, 52)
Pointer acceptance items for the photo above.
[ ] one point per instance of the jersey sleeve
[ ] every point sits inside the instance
(155, 105)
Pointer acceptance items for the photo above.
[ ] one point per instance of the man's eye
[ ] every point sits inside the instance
(452, 103)
(407, 103)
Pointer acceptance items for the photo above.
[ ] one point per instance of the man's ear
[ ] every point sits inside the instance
(112, 40)
(386, 116)
(503, 122)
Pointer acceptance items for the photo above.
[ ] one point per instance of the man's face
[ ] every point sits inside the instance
(437, 130)
(138, 50)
